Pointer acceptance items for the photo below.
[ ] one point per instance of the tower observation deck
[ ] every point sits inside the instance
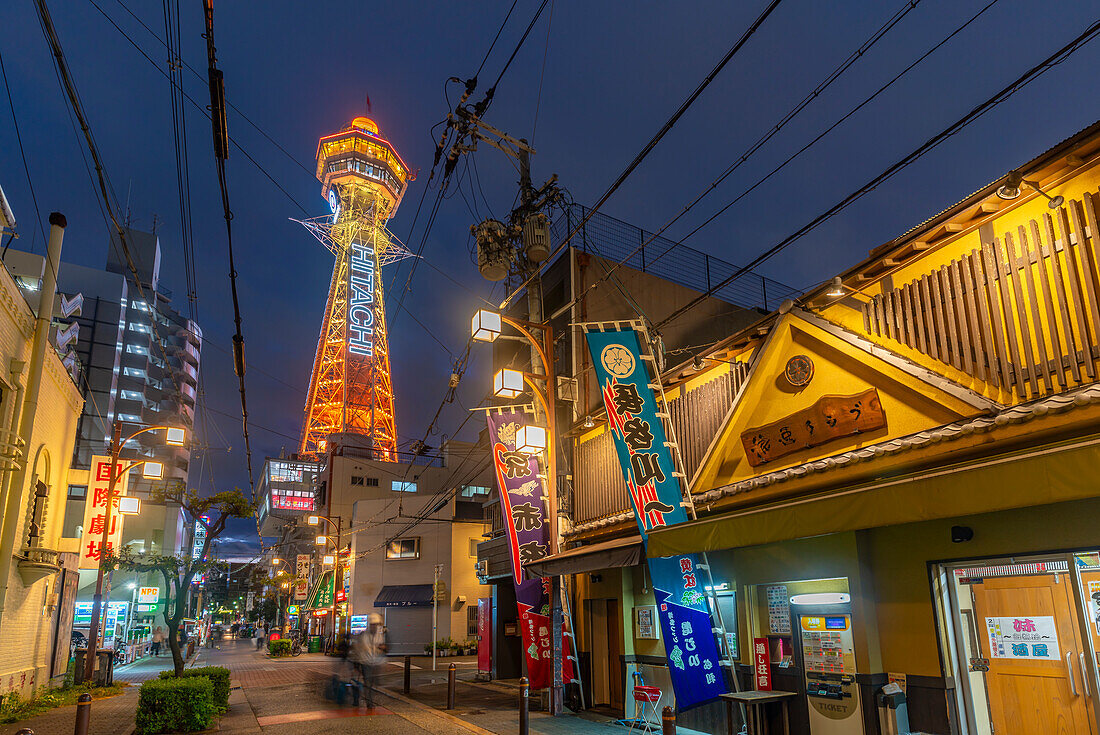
(351, 390)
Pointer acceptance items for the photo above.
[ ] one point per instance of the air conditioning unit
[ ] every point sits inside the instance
(481, 569)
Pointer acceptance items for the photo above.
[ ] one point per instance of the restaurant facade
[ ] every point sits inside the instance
(893, 477)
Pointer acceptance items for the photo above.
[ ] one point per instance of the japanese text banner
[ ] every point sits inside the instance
(694, 662)
(524, 511)
(95, 511)
(639, 434)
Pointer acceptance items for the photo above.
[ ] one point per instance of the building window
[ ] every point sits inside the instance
(372, 482)
(473, 547)
(77, 492)
(400, 486)
(356, 479)
(474, 491)
(404, 548)
(471, 620)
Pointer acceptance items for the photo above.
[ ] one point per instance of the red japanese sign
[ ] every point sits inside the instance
(95, 512)
(762, 665)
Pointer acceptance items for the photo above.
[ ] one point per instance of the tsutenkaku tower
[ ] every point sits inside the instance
(351, 391)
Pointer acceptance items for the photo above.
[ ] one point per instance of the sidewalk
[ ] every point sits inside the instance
(494, 708)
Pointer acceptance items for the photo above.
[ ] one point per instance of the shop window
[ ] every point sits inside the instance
(404, 548)
(471, 619)
(772, 618)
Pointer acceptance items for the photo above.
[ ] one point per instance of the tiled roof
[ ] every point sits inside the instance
(1019, 414)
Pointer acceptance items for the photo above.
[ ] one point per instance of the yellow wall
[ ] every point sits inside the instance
(1085, 178)
(910, 405)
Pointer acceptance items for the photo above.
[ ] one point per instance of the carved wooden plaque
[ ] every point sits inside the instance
(831, 417)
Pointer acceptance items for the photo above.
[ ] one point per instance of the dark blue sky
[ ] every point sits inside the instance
(613, 73)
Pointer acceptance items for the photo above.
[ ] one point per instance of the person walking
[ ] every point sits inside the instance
(369, 654)
(259, 637)
(158, 640)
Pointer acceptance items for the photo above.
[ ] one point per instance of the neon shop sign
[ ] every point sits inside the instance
(361, 303)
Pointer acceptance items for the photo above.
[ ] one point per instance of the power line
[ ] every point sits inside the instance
(23, 155)
(221, 152)
(1026, 78)
(749, 32)
(852, 58)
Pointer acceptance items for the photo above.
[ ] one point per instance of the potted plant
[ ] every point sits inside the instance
(457, 649)
(427, 649)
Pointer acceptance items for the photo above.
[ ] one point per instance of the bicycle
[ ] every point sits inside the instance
(296, 646)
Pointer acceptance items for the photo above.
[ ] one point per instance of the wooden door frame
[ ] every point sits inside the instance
(948, 606)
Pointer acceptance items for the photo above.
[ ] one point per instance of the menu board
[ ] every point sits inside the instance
(779, 609)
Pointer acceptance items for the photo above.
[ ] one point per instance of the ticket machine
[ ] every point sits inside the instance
(827, 655)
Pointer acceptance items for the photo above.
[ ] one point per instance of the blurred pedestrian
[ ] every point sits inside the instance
(158, 640)
(369, 655)
(259, 637)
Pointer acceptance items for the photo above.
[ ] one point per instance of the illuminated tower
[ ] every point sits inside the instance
(351, 391)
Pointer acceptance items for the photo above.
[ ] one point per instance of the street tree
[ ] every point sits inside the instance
(178, 572)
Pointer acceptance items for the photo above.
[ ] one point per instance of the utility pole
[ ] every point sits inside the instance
(528, 227)
(435, 611)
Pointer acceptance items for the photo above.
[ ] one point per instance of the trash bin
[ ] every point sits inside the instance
(105, 674)
(315, 642)
(893, 713)
(79, 657)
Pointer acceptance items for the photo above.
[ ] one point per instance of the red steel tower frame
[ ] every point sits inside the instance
(351, 390)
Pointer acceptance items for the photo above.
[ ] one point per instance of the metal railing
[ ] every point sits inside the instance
(615, 240)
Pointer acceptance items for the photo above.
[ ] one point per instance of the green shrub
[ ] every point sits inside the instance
(279, 648)
(218, 676)
(184, 704)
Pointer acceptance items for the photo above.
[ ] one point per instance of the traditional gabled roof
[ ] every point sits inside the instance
(1019, 414)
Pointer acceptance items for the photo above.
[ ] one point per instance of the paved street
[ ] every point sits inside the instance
(279, 696)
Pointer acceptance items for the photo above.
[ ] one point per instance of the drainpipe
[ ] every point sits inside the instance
(30, 400)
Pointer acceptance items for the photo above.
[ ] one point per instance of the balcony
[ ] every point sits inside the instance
(37, 563)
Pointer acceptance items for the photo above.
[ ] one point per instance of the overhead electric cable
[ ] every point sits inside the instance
(221, 152)
(1005, 93)
(23, 154)
(768, 135)
(749, 32)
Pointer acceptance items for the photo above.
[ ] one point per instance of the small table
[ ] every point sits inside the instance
(752, 699)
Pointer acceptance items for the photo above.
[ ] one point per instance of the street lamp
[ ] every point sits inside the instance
(486, 326)
(174, 436)
(321, 540)
(328, 560)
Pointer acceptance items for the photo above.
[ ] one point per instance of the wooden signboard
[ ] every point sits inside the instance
(831, 417)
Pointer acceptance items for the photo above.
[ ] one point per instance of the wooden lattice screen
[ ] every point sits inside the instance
(1020, 312)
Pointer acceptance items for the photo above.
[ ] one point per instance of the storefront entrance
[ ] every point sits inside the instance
(1025, 636)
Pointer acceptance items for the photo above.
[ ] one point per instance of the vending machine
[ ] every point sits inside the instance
(827, 652)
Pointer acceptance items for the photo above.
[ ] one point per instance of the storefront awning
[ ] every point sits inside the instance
(404, 595)
(1031, 478)
(622, 552)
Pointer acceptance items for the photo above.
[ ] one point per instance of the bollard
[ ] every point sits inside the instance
(83, 714)
(408, 674)
(668, 721)
(524, 693)
(451, 687)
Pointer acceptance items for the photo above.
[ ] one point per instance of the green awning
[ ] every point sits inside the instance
(1040, 476)
(322, 594)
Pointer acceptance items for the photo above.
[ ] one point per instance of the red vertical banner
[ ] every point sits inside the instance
(484, 636)
(762, 665)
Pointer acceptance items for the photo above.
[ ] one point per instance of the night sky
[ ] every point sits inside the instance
(614, 72)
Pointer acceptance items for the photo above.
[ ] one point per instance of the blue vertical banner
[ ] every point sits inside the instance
(694, 661)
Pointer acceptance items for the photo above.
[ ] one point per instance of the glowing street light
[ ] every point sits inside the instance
(313, 520)
(129, 506)
(175, 437)
(328, 560)
(531, 439)
(152, 470)
(321, 540)
(507, 383)
(485, 326)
